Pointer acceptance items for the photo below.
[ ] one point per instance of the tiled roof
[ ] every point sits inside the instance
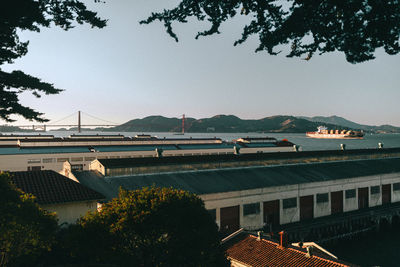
(50, 187)
(251, 252)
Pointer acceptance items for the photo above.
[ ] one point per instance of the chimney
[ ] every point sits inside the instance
(309, 252)
(283, 239)
(259, 236)
(159, 152)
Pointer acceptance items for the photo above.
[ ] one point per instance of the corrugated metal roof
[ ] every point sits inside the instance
(236, 179)
(133, 148)
(41, 150)
(154, 161)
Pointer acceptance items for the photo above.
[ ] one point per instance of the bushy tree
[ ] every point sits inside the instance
(26, 231)
(148, 227)
(354, 27)
(31, 15)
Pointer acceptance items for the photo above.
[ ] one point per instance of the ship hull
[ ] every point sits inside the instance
(333, 136)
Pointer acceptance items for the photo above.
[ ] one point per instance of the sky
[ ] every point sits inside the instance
(127, 71)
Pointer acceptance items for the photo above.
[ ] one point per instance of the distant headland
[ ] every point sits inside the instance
(233, 124)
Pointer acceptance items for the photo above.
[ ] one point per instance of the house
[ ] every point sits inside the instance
(56, 193)
(245, 250)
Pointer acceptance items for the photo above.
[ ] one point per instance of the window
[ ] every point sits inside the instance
(289, 203)
(351, 193)
(62, 159)
(89, 158)
(34, 161)
(322, 198)
(375, 189)
(213, 213)
(48, 160)
(34, 168)
(77, 167)
(396, 186)
(76, 159)
(253, 208)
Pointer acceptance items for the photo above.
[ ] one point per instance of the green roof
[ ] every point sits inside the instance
(192, 159)
(237, 179)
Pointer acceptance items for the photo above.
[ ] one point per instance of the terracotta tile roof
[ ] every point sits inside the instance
(251, 252)
(50, 187)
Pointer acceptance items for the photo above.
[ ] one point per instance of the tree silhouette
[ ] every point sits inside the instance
(355, 27)
(31, 15)
(146, 227)
(26, 230)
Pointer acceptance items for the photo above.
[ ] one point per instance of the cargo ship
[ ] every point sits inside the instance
(323, 132)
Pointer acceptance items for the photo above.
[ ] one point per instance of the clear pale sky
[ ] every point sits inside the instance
(128, 71)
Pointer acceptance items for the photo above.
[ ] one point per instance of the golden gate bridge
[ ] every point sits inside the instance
(79, 125)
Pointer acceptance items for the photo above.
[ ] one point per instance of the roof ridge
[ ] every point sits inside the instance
(297, 250)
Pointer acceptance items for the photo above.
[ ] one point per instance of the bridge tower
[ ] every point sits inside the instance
(79, 121)
(183, 124)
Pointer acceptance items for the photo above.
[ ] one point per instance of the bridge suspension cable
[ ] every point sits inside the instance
(55, 122)
(94, 117)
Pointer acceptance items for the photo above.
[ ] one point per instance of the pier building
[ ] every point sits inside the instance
(46, 152)
(255, 197)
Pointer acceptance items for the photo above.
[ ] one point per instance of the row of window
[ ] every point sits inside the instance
(248, 209)
(324, 197)
(52, 160)
(80, 159)
(254, 208)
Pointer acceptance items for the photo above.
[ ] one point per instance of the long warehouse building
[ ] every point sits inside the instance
(255, 196)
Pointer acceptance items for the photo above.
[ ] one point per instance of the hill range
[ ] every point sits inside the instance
(231, 124)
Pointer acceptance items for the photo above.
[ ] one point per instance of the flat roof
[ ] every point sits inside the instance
(246, 178)
(191, 159)
(10, 150)
(41, 150)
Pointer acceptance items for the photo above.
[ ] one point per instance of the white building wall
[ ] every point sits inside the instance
(375, 199)
(395, 195)
(350, 204)
(70, 212)
(252, 221)
(228, 199)
(290, 215)
(322, 209)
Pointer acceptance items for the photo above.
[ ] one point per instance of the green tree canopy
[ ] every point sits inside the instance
(148, 227)
(31, 15)
(355, 27)
(26, 231)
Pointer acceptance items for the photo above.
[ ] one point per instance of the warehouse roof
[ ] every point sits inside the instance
(189, 159)
(245, 178)
(50, 187)
(10, 150)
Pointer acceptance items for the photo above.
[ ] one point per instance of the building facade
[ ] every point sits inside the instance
(260, 196)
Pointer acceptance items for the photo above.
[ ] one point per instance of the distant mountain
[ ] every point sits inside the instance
(220, 124)
(336, 120)
(8, 129)
(152, 124)
(232, 124)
